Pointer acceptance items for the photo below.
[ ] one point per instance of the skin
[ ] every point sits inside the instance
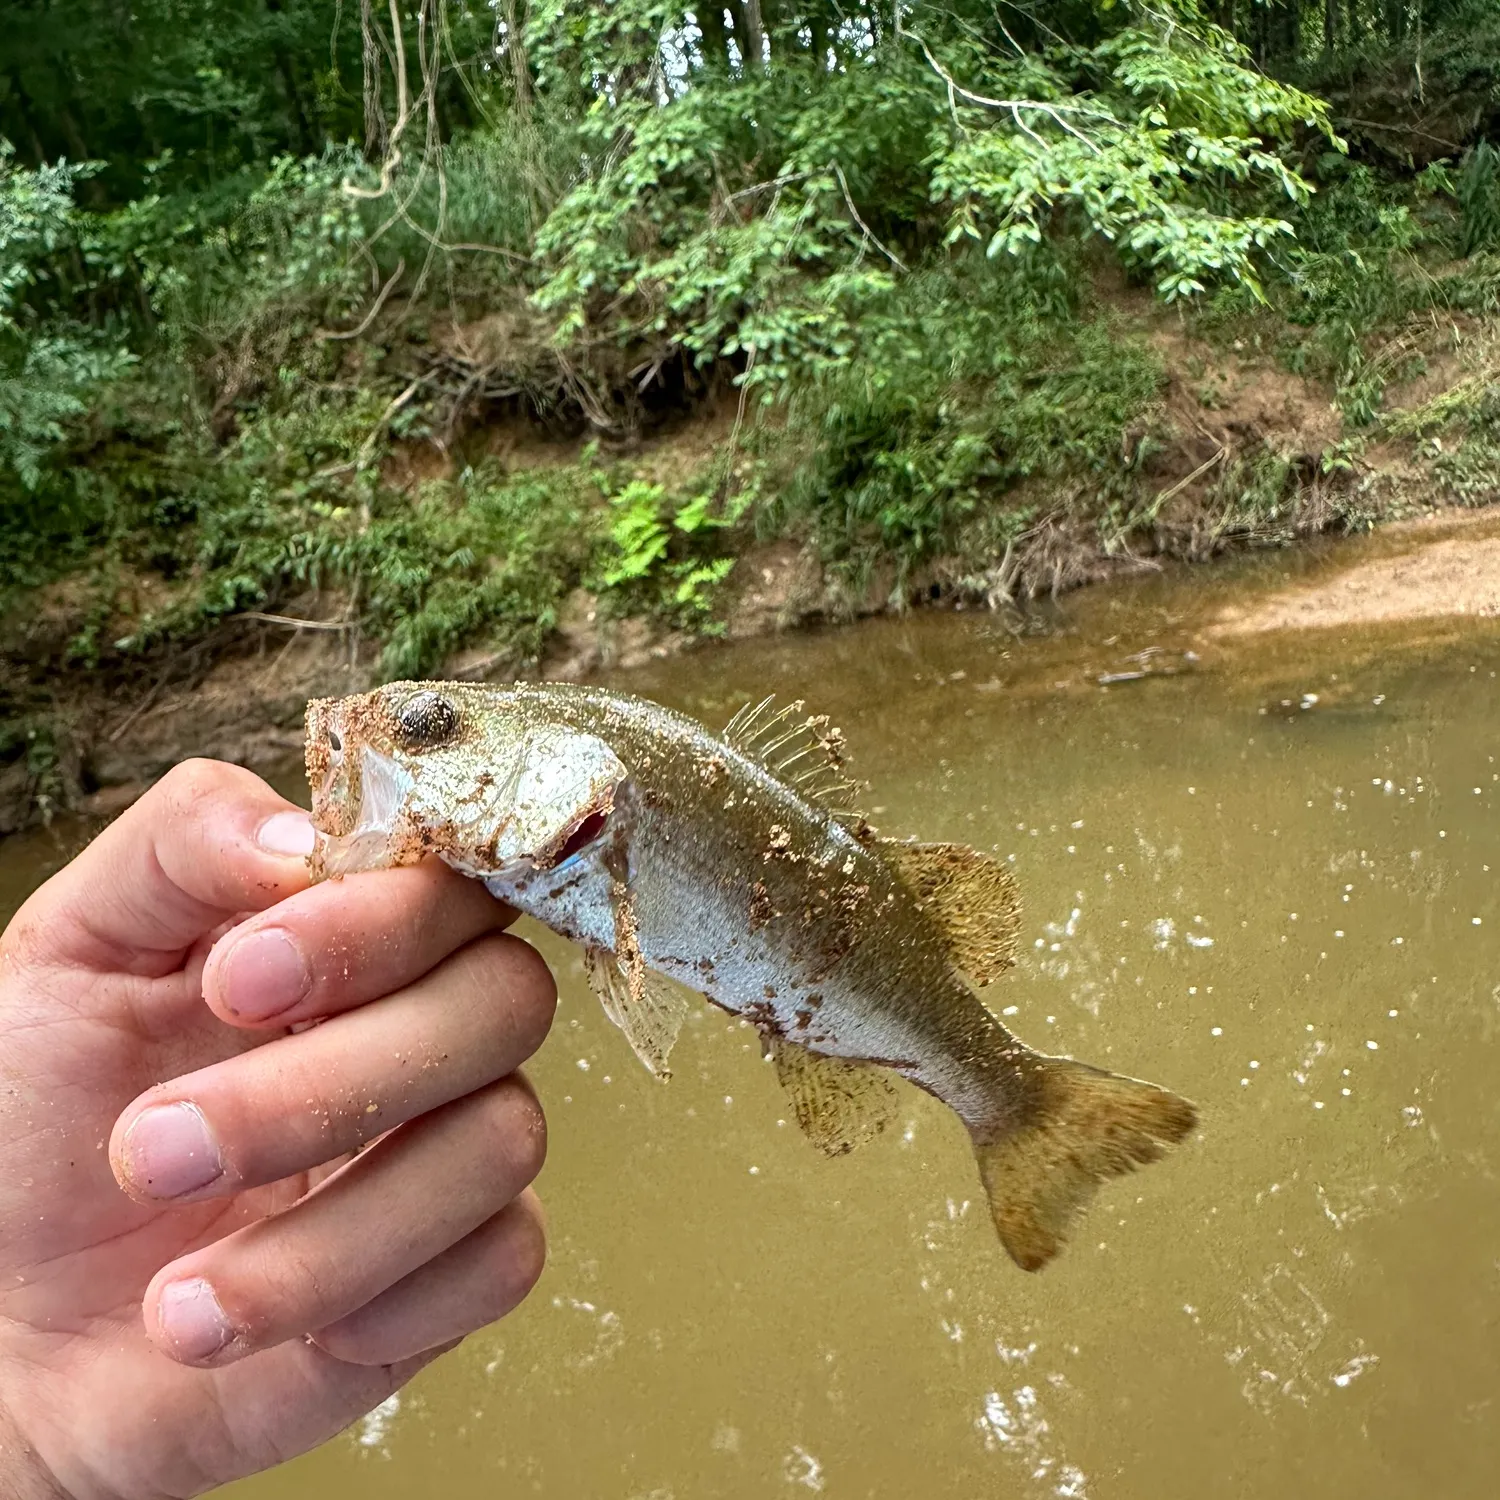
(175, 1315)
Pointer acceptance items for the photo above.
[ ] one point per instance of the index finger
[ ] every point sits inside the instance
(208, 842)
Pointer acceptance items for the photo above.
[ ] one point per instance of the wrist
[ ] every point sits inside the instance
(23, 1474)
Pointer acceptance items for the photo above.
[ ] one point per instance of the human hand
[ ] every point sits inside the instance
(253, 1289)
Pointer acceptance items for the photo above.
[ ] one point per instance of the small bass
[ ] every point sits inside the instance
(731, 865)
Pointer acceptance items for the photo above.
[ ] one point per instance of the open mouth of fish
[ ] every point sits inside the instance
(506, 827)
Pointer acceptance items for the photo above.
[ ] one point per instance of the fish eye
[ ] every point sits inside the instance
(425, 720)
(334, 742)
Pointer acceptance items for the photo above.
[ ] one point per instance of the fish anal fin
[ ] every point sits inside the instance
(1086, 1127)
(648, 1007)
(839, 1103)
(804, 751)
(972, 898)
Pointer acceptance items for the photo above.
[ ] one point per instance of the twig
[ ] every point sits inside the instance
(1182, 484)
(403, 115)
(397, 402)
(774, 182)
(374, 311)
(1426, 135)
(1054, 112)
(140, 707)
(292, 621)
(869, 233)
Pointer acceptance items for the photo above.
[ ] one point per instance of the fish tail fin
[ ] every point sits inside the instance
(1086, 1125)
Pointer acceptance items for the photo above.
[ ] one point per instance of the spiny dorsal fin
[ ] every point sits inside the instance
(972, 897)
(806, 752)
(839, 1103)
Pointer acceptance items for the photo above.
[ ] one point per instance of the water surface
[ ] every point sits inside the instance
(1269, 882)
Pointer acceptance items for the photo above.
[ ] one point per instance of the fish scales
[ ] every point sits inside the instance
(665, 849)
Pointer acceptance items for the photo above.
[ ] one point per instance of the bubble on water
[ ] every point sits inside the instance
(1196, 940)
(583, 1065)
(1354, 1369)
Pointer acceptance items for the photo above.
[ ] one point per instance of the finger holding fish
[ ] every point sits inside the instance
(472, 1283)
(400, 1206)
(343, 943)
(302, 1100)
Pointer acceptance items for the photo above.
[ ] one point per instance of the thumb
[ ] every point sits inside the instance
(209, 841)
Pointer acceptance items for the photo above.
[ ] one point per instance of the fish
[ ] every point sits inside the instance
(735, 866)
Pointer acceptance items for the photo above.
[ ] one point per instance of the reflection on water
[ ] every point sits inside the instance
(1269, 882)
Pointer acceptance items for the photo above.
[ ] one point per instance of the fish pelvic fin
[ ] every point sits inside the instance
(1088, 1125)
(970, 896)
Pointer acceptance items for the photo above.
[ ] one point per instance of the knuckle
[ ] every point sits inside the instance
(191, 783)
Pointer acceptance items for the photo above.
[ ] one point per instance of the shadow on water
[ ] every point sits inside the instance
(1266, 878)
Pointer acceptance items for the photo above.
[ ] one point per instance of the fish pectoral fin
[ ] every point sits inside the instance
(648, 1007)
(971, 897)
(839, 1103)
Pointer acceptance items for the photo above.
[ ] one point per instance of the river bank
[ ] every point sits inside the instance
(247, 707)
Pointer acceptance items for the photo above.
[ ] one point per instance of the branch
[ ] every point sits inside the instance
(385, 291)
(869, 233)
(1054, 112)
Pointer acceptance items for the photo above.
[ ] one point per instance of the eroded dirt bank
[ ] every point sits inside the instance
(249, 708)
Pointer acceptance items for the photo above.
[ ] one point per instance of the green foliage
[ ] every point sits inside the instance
(1177, 116)
(239, 272)
(971, 389)
(1478, 192)
(660, 558)
(48, 370)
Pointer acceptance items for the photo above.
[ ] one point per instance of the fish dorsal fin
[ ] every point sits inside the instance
(646, 1006)
(840, 1104)
(972, 898)
(803, 750)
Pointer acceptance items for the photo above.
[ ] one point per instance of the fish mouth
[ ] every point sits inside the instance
(586, 832)
(379, 787)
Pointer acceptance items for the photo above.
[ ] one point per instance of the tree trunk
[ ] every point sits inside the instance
(520, 69)
(715, 36)
(755, 33)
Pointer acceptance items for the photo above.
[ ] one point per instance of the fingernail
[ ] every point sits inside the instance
(191, 1320)
(262, 975)
(169, 1151)
(287, 833)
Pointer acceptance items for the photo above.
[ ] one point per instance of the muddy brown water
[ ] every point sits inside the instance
(1269, 881)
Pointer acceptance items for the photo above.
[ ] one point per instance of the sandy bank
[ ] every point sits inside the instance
(1439, 568)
